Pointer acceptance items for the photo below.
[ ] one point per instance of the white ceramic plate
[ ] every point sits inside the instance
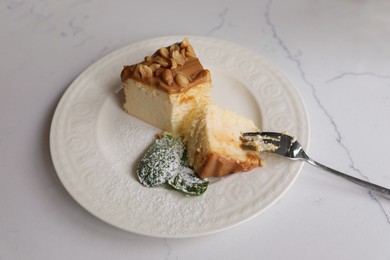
(95, 145)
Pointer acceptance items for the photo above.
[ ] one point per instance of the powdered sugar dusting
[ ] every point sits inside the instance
(95, 145)
(161, 162)
(124, 140)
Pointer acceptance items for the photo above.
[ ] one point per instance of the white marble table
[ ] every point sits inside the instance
(335, 52)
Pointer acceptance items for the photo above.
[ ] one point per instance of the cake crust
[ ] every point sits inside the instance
(217, 165)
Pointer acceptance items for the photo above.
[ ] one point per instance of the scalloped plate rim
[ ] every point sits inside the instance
(56, 124)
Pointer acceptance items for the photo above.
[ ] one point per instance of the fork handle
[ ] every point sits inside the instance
(371, 186)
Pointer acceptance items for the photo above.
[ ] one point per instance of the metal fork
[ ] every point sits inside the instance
(287, 146)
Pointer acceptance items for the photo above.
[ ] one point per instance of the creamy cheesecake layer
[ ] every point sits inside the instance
(163, 110)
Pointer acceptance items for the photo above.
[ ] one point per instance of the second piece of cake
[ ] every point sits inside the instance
(213, 142)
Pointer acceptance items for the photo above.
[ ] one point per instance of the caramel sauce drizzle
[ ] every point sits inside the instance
(173, 69)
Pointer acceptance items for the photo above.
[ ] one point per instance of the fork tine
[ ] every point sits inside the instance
(262, 134)
(251, 133)
(271, 134)
(268, 135)
(265, 136)
(276, 142)
(261, 141)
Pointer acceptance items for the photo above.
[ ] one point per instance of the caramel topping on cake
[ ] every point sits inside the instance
(173, 69)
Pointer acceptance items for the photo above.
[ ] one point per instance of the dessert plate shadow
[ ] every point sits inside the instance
(95, 145)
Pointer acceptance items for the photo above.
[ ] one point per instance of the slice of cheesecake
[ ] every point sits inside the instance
(214, 144)
(164, 88)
